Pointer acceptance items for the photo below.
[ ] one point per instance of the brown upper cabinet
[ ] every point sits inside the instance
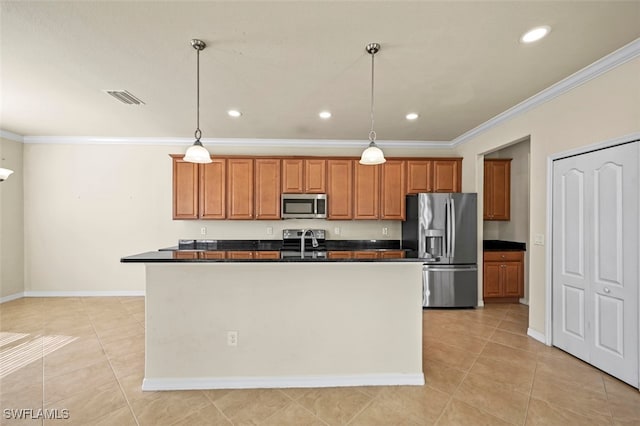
(212, 192)
(267, 188)
(185, 189)
(392, 190)
(366, 191)
(497, 189)
(251, 187)
(434, 175)
(340, 189)
(379, 191)
(240, 188)
(304, 175)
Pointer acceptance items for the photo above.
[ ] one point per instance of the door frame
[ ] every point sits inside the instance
(549, 231)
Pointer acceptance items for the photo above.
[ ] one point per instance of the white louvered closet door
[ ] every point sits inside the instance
(596, 259)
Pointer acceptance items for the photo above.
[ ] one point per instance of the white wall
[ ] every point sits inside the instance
(11, 221)
(86, 206)
(601, 109)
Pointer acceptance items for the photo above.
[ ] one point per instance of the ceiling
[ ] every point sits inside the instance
(456, 64)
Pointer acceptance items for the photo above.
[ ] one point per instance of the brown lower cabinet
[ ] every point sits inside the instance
(366, 254)
(503, 276)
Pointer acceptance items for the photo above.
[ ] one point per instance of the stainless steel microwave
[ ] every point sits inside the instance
(304, 206)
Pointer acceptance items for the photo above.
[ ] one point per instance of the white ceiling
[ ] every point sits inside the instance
(455, 63)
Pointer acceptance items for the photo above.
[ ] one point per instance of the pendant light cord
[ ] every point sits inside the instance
(198, 133)
(372, 133)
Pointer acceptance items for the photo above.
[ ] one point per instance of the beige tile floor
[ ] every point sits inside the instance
(480, 368)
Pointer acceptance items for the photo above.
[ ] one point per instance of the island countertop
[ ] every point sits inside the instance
(270, 251)
(206, 256)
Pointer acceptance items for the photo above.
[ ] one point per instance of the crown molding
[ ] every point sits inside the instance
(286, 143)
(599, 67)
(4, 134)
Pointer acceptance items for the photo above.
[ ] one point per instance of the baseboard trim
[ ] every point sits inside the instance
(84, 293)
(536, 335)
(524, 301)
(11, 297)
(282, 382)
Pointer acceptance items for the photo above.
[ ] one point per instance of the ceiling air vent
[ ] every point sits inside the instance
(124, 97)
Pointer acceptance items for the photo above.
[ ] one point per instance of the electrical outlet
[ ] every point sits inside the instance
(385, 231)
(336, 230)
(269, 230)
(232, 338)
(203, 230)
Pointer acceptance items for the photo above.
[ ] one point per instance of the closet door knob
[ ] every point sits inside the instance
(606, 290)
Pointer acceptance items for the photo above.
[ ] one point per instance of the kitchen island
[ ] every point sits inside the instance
(220, 321)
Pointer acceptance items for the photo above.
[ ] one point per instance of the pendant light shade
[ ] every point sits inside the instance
(372, 155)
(4, 173)
(196, 152)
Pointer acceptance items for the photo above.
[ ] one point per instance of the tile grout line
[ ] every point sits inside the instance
(606, 392)
(218, 408)
(124, 394)
(466, 373)
(526, 413)
(355, 416)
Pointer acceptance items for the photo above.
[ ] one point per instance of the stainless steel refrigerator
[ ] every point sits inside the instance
(442, 228)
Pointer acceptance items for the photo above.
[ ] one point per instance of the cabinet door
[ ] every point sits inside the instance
(340, 189)
(185, 254)
(498, 197)
(366, 191)
(213, 254)
(212, 190)
(392, 254)
(315, 172)
(337, 254)
(365, 254)
(513, 279)
(419, 176)
(240, 188)
(392, 194)
(447, 175)
(492, 279)
(185, 189)
(293, 176)
(267, 188)
(240, 255)
(272, 254)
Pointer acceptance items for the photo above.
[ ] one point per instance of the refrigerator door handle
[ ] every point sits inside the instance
(453, 228)
(446, 229)
(449, 230)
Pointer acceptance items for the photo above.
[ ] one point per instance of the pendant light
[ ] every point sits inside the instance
(196, 152)
(4, 174)
(372, 155)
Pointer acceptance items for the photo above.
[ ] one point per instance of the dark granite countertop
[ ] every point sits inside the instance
(501, 245)
(268, 245)
(193, 256)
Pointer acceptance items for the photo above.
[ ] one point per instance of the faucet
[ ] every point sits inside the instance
(314, 241)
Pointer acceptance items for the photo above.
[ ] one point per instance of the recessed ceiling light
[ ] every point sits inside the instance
(411, 116)
(234, 113)
(535, 34)
(325, 114)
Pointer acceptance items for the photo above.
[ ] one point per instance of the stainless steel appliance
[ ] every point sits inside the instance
(303, 243)
(442, 228)
(304, 206)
